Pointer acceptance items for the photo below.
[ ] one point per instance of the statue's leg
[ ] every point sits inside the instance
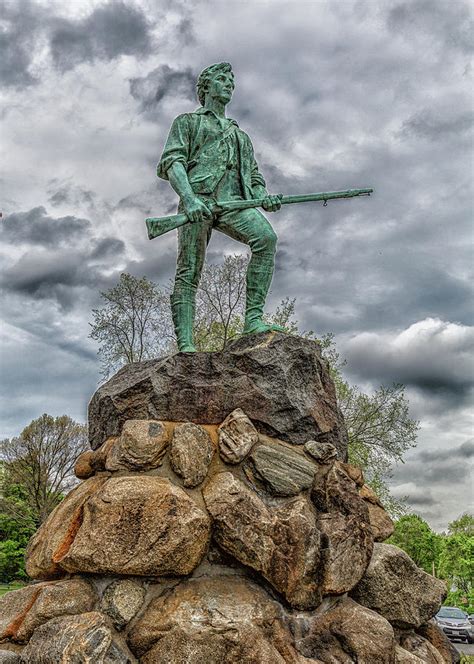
(252, 228)
(192, 243)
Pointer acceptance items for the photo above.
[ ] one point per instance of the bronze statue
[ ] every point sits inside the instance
(210, 163)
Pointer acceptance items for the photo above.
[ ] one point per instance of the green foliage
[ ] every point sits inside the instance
(38, 467)
(457, 561)
(449, 556)
(462, 526)
(12, 554)
(423, 545)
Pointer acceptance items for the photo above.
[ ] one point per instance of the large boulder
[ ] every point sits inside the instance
(280, 381)
(138, 525)
(399, 590)
(282, 544)
(22, 611)
(422, 648)
(345, 632)
(213, 620)
(55, 536)
(87, 637)
(435, 635)
(347, 553)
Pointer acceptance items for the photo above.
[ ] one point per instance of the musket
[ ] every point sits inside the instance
(159, 225)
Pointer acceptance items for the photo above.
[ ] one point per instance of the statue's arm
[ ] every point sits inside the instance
(172, 167)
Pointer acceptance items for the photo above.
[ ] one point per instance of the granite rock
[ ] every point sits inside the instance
(216, 620)
(347, 554)
(402, 656)
(22, 611)
(87, 637)
(54, 537)
(9, 657)
(237, 436)
(139, 525)
(322, 452)
(399, 590)
(280, 381)
(422, 648)
(381, 524)
(122, 600)
(346, 632)
(435, 635)
(282, 544)
(283, 471)
(191, 452)
(141, 446)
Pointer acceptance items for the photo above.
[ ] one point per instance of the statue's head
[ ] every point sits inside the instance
(208, 75)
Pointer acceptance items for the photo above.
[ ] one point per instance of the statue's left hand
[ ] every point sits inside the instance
(272, 203)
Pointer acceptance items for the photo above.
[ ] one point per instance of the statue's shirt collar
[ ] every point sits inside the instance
(203, 111)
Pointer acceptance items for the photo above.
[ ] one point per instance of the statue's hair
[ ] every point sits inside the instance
(206, 75)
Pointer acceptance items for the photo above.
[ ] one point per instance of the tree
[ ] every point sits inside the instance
(457, 557)
(38, 467)
(134, 324)
(423, 545)
(462, 526)
(220, 303)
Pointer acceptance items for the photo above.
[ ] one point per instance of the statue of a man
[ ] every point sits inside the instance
(208, 157)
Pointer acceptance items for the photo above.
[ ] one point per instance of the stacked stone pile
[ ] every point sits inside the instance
(237, 534)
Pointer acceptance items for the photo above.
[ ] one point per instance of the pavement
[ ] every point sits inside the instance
(464, 648)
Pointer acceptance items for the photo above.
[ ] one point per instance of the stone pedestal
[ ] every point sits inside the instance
(217, 522)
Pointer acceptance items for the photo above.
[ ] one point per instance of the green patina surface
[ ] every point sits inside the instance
(208, 157)
(210, 163)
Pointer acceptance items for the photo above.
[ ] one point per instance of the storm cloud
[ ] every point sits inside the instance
(109, 31)
(149, 90)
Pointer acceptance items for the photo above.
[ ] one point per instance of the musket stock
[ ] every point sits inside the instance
(159, 225)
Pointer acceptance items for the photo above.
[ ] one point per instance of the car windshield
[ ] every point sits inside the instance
(448, 612)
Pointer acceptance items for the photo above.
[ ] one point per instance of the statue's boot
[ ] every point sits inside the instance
(259, 278)
(182, 310)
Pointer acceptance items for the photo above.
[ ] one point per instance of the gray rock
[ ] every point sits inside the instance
(191, 453)
(280, 381)
(322, 452)
(237, 436)
(141, 446)
(282, 544)
(73, 639)
(399, 590)
(122, 600)
(9, 657)
(283, 471)
(422, 648)
(349, 548)
(343, 632)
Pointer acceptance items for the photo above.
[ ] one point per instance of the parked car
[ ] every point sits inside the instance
(471, 618)
(455, 623)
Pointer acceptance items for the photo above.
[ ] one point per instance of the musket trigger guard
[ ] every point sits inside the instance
(325, 204)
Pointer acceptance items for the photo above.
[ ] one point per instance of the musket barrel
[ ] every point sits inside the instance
(159, 225)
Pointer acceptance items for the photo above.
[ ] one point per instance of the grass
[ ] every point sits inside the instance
(6, 587)
(467, 659)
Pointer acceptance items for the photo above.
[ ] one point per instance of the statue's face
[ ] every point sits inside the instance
(221, 86)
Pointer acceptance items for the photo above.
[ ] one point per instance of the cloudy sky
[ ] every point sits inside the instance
(335, 94)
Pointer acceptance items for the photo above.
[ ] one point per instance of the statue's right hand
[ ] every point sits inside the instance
(196, 210)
